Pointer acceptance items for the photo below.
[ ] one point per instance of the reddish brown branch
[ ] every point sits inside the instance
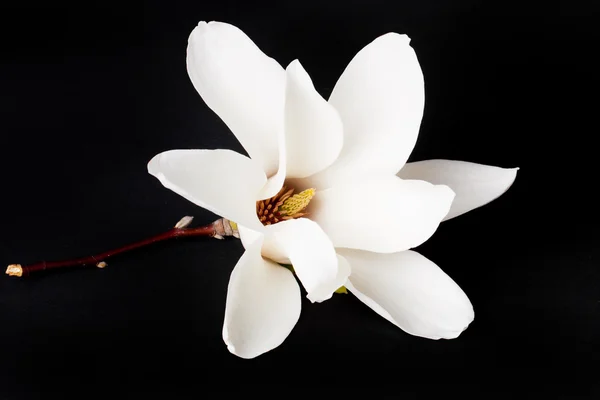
(98, 260)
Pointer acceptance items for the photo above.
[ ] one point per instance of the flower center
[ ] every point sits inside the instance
(284, 205)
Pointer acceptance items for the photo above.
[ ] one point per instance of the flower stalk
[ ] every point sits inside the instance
(218, 229)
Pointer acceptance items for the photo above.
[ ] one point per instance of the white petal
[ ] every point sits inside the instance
(380, 97)
(241, 85)
(248, 236)
(222, 181)
(302, 243)
(369, 301)
(385, 214)
(474, 184)
(263, 305)
(410, 291)
(275, 182)
(343, 271)
(313, 127)
(365, 299)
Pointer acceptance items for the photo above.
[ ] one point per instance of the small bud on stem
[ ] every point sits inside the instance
(184, 222)
(14, 270)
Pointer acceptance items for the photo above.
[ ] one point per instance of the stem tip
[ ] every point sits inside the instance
(14, 270)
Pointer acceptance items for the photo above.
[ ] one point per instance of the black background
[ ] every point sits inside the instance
(89, 95)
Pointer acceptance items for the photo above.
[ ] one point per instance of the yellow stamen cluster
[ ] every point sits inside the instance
(297, 203)
(283, 206)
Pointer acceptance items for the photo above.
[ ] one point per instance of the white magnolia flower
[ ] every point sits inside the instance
(347, 151)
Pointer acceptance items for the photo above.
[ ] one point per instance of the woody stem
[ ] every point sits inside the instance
(98, 259)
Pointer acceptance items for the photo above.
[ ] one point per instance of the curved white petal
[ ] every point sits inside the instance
(302, 243)
(380, 97)
(474, 184)
(248, 236)
(369, 301)
(263, 305)
(241, 85)
(343, 271)
(313, 128)
(275, 182)
(385, 214)
(410, 291)
(222, 181)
